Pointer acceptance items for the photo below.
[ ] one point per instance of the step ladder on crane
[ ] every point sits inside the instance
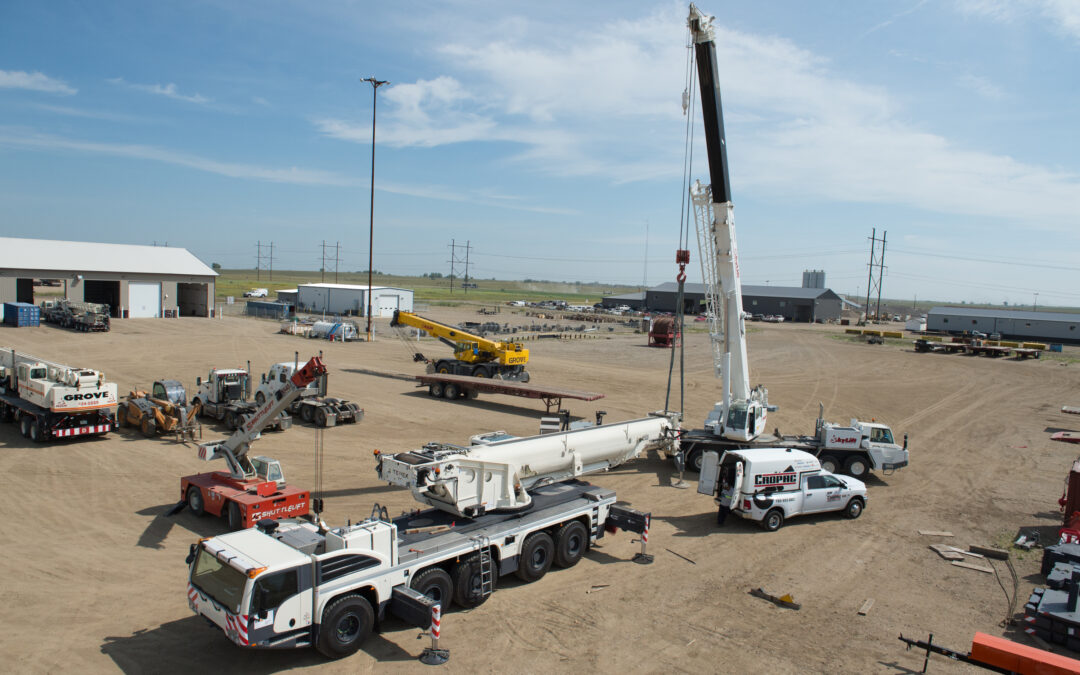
(487, 572)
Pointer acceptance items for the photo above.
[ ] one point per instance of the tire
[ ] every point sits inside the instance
(773, 520)
(259, 398)
(451, 391)
(24, 425)
(466, 577)
(535, 557)
(693, 460)
(307, 413)
(444, 368)
(233, 517)
(830, 464)
(435, 583)
(195, 501)
(571, 543)
(148, 426)
(320, 417)
(854, 508)
(232, 421)
(37, 433)
(435, 389)
(121, 416)
(856, 467)
(480, 371)
(346, 623)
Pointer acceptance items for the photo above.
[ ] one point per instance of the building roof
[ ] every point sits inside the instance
(636, 296)
(990, 313)
(353, 287)
(86, 256)
(753, 291)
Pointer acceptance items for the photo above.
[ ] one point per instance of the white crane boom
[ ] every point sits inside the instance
(470, 481)
(740, 415)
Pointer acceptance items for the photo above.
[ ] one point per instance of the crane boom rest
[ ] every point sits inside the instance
(235, 448)
(741, 414)
(473, 354)
(498, 476)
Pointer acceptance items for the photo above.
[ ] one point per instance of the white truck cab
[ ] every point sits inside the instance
(770, 485)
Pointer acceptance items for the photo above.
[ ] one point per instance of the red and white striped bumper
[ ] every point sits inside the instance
(82, 431)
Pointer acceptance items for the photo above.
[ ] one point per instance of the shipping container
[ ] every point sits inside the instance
(21, 314)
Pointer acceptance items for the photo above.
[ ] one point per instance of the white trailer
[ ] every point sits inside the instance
(297, 583)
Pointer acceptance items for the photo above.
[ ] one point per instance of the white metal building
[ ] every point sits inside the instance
(351, 300)
(135, 281)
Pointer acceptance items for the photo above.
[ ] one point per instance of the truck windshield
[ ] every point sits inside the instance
(222, 583)
(881, 436)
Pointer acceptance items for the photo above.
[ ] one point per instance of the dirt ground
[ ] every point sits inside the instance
(94, 573)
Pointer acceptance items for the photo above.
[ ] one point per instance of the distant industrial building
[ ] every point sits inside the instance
(351, 300)
(1009, 323)
(635, 301)
(813, 279)
(794, 304)
(134, 281)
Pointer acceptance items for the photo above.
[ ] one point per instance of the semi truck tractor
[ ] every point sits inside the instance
(313, 405)
(50, 401)
(298, 583)
(223, 395)
(770, 485)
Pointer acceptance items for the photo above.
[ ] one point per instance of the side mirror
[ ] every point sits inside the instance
(262, 600)
(191, 555)
(198, 381)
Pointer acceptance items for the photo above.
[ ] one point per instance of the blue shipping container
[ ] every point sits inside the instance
(21, 314)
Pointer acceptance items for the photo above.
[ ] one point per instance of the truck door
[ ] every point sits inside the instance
(736, 486)
(281, 603)
(709, 475)
(815, 494)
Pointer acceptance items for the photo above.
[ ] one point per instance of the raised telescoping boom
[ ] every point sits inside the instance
(470, 481)
(740, 415)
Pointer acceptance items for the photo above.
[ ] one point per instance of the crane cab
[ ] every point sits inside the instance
(745, 420)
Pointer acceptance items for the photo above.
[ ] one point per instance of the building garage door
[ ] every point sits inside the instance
(144, 300)
(387, 304)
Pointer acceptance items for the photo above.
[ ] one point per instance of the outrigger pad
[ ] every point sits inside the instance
(178, 508)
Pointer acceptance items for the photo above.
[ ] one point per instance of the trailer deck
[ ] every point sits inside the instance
(455, 386)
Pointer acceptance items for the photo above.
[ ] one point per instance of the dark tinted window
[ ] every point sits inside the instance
(815, 482)
(280, 586)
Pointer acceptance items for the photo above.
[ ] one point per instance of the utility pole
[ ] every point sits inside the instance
(466, 284)
(375, 84)
(337, 259)
(871, 282)
(258, 260)
(271, 261)
(1035, 305)
(881, 274)
(453, 259)
(322, 267)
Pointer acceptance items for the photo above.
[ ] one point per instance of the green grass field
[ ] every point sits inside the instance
(432, 291)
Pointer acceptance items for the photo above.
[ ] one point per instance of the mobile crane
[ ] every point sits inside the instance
(296, 583)
(255, 488)
(473, 355)
(51, 401)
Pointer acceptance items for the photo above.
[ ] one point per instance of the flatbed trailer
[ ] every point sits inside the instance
(464, 386)
(350, 578)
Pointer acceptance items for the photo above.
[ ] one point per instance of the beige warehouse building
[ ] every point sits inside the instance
(135, 281)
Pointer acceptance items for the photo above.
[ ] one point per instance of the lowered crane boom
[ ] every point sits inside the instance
(740, 415)
(473, 354)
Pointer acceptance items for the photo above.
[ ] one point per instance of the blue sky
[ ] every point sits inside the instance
(551, 136)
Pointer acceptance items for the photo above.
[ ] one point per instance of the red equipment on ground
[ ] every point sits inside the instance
(663, 333)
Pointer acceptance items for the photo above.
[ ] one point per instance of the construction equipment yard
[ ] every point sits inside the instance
(96, 569)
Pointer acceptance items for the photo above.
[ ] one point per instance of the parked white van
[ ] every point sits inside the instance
(770, 485)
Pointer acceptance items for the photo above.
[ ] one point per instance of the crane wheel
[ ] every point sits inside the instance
(571, 543)
(830, 464)
(235, 520)
(536, 556)
(195, 500)
(436, 584)
(480, 371)
(346, 623)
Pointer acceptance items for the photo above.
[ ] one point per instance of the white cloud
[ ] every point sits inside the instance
(981, 86)
(1062, 14)
(22, 138)
(19, 79)
(168, 90)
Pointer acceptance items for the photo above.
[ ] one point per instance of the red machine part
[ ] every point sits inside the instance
(663, 333)
(256, 499)
(1014, 657)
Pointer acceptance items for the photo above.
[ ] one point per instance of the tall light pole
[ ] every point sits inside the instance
(1035, 305)
(375, 84)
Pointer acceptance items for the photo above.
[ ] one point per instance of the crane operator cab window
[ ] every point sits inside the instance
(878, 435)
(736, 418)
(267, 469)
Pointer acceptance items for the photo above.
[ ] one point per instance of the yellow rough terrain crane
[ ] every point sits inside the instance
(473, 355)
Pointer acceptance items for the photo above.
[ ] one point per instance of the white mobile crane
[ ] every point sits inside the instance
(740, 415)
(507, 507)
(255, 488)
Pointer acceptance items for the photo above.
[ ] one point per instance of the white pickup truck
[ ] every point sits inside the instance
(770, 485)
